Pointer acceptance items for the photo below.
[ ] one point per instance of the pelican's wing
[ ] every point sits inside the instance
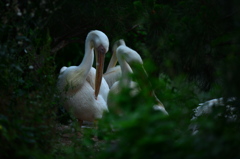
(71, 78)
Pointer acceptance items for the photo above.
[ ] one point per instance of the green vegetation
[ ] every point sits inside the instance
(190, 50)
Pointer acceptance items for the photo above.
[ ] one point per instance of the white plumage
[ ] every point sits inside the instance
(83, 90)
(206, 108)
(113, 72)
(126, 58)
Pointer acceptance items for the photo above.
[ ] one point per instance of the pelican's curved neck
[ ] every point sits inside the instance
(126, 71)
(88, 58)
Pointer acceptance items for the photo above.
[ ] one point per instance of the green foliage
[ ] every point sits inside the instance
(140, 132)
(28, 82)
(27, 105)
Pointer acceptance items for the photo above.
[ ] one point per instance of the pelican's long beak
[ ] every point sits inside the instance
(100, 55)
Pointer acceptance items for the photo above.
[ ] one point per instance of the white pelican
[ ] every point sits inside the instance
(126, 58)
(113, 72)
(206, 108)
(81, 95)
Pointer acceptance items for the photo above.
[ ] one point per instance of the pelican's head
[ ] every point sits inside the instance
(98, 40)
(129, 55)
(63, 69)
(100, 43)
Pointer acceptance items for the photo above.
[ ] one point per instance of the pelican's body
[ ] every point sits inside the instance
(207, 108)
(83, 91)
(113, 72)
(127, 57)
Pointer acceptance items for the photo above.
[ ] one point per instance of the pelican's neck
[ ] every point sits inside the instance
(88, 58)
(113, 61)
(126, 71)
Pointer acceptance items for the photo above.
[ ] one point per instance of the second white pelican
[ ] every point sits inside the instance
(126, 58)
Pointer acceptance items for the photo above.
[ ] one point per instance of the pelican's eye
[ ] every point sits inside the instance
(101, 49)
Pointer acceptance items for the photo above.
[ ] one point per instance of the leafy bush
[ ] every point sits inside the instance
(27, 116)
